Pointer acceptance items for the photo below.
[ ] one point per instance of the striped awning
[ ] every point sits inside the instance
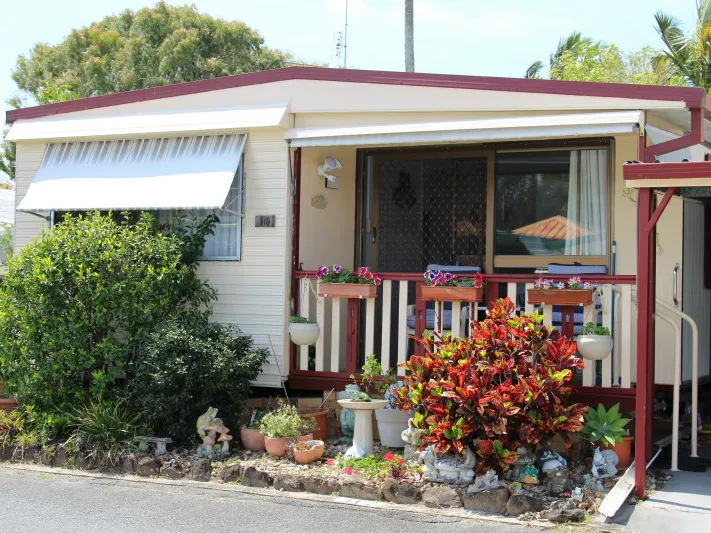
(193, 172)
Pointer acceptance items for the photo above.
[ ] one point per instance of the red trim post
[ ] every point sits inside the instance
(645, 337)
(296, 229)
(352, 335)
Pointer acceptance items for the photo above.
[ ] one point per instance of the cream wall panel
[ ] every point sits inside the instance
(29, 157)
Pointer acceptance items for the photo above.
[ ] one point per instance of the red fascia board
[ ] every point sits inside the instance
(671, 171)
(692, 96)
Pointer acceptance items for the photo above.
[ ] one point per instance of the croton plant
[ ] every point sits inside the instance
(504, 386)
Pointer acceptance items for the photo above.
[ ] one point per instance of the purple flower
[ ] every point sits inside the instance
(560, 285)
(448, 276)
(588, 286)
(337, 269)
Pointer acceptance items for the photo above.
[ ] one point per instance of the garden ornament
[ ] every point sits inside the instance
(529, 476)
(550, 461)
(412, 436)
(577, 494)
(447, 469)
(488, 481)
(160, 444)
(524, 458)
(604, 464)
(347, 418)
(354, 452)
(208, 428)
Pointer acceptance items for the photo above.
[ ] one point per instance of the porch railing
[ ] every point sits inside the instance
(352, 328)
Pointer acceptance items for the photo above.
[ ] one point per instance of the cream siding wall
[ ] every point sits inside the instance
(253, 292)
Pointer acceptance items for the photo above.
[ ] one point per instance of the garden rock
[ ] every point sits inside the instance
(441, 496)
(561, 511)
(201, 470)
(401, 492)
(85, 463)
(129, 465)
(488, 501)
(231, 473)
(171, 471)
(60, 458)
(148, 466)
(251, 477)
(361, 491)
(288, 483)
(559, 482)
(321, 485)
(522, 503)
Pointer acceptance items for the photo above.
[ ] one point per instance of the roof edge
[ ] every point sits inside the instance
(692, 96)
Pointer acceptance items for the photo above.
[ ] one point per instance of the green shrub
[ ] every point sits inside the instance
(187, 366)
(77, 302)
(605, 427)
(284, 422)
(104, 431)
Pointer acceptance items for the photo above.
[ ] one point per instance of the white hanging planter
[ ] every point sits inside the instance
(304, 334)
(595, 347)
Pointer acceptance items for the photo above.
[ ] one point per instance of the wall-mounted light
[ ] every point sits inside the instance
(324, 169)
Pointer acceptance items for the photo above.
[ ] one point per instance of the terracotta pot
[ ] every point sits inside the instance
(305, 457)
(320, 417)
(252, 439)
(7, 405)
(452, 294)
(624, 452)
(347, 290)
(572, 297)
(276, 447)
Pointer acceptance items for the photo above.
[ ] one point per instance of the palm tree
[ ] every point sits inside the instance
(574, 43)
(409, 37)
(688, 56)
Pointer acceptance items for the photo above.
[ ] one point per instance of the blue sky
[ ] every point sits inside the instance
(498, 38)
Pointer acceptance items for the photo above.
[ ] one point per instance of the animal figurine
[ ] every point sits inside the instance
(604, 464)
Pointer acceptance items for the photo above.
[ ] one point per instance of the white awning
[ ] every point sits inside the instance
(136, 174)
(480, 130)
(79, 126)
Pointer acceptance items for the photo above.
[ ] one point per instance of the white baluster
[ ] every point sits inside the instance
(385, 343)
(607, 300)
(402, 338)
(626, 337)
(589, 370)
(336, 334)
(321, 342)
(304, 304)
(370, 326)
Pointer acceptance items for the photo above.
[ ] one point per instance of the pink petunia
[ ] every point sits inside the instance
(377, 280)
(368, 275)
(330, 462)
(348, 470)
(389, 457)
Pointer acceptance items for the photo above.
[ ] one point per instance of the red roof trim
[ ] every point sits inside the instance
(671, 171)
(694, 97)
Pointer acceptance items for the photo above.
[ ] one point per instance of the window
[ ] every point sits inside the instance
(226, 243)
(551, 203)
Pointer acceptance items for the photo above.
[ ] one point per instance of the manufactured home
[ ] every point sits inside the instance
(305, 167)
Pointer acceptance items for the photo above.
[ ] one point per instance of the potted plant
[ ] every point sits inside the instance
(391, 421)
(447, 287)
(307, 452)
(250, 436)
(339, 282)
(595, 343)
(303, 331)
(572, 292)
(606, 428)
(281, 426)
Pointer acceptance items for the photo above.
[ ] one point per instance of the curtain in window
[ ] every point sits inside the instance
(587, 199)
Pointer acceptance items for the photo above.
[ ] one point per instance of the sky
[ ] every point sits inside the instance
(475, 37)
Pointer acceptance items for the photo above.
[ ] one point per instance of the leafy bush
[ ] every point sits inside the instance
(78, 301)
(503, 386)
(188, 365)
(20, 428)
(284, 422)
(604, 426)
(593, 329)
(104, 431)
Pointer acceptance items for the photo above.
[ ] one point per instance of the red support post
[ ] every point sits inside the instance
(296, 222)
(645, 337)
(420, 317)
(352, 335)
(492, 293)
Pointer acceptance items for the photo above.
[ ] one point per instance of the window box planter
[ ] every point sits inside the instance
(443, 293)
(595, 347)
(560, 296)
(347, 290)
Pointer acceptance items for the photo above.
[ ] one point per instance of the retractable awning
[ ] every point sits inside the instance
(136, 174)
(479, 130)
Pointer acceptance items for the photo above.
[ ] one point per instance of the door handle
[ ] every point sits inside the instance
(675, 285)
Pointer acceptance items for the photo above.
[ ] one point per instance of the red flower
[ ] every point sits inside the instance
(368, 275)
(330, 462)
(400, 461)
(348, 470)
(389, 457)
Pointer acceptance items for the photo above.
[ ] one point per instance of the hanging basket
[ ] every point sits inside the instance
(572, 297)
(442, 293)
(304, 334)
(347, 290)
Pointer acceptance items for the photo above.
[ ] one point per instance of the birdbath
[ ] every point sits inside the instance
(363, 426)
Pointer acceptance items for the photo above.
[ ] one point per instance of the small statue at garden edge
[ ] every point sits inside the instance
(208, 427)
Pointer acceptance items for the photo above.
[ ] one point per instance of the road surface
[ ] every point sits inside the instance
(33, 501)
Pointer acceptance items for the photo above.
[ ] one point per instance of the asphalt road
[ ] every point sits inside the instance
(32, 501)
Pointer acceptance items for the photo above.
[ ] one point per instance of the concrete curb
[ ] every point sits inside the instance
(277, 495)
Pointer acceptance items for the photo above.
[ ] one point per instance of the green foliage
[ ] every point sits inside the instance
(104, 431)
(147, 48)
(378, 466)
(188, 365)
(301, 320)
(373, 379)
(594, 329)
(284, 422)
(78, 301)
(6, 231)
(8, 155)
(605, 427)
